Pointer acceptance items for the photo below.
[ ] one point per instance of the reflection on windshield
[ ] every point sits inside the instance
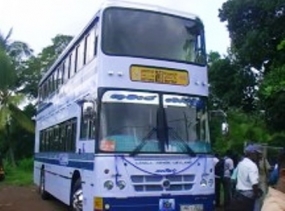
(128, 123)
(126, 118)
(187, 116)
(146, 34)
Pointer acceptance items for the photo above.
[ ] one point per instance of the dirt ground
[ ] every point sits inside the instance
(14, 198)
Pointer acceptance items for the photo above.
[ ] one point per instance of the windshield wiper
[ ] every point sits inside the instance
(143, 142)
(190, 151)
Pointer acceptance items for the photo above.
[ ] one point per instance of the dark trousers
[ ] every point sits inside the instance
(218, 183)
(227, 187)
(241, 203)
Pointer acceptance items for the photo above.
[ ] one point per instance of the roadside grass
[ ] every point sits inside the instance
(21, 175)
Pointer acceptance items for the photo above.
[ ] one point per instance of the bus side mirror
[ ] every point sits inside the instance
(220, 117)
(225, 128)
(89, 110)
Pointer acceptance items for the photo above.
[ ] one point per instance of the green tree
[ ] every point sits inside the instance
(9, 102)
(272, 94)
(29, 77)
(243, 127)
(23, 140)
(50, 53)
(36, 66)
(257, 35)
(16, 50)
(255, 28)
(231, 84)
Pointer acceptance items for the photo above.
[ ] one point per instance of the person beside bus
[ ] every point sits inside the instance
(273, 177)
(234, 174)
(247, 189)
(219, 172)
(275, 198)
(264, 168)
(223, 170)
(228, 170)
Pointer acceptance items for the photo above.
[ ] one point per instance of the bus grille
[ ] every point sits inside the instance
(147, 183)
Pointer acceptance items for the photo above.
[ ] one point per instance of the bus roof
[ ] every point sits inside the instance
(156, 8)
(114, 3)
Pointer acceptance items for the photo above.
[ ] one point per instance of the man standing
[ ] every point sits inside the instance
(219, 173)
(247, 190)
(264, 168)
(275, 199)
(228, 170)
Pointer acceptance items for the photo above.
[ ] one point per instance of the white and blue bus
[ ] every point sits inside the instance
(122, 121)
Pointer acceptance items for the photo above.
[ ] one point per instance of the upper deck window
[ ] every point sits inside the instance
(139, 33)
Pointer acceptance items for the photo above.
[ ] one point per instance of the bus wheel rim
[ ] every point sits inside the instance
(78, 200)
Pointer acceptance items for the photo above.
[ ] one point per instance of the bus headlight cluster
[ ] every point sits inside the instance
(108, 185)
(211, 182)
(121, 184)
(203, 183)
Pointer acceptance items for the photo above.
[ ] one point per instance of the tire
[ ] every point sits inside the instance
(43, 193)
(76, 196)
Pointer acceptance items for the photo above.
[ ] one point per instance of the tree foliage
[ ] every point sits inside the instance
(20, 73)
(231, 84)
(50, 53)
(272, 93)
(34, 68)
(257, 34)
(9, 102)
(256, 29)
(17, 51)
(8, 74)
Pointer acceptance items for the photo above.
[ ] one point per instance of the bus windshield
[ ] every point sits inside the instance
(140, 33)
(129, 119)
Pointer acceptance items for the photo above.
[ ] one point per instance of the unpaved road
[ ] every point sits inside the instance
(14, 198)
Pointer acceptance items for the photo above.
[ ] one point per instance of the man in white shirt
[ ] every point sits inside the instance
(247, 190)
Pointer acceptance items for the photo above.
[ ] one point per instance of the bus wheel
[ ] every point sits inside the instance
(77, 196)
(42, 190)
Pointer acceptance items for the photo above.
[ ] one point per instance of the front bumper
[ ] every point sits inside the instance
(174, 203)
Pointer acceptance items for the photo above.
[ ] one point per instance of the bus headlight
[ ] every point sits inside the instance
(203, 183)
(121, 184)
(211, 182)
(108, 185)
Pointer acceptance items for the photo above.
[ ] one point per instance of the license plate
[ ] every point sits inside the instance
(196, 207)
(159, 75)
(166, 205)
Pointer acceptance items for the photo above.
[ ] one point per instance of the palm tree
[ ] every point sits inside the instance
(16, 50)
(9, 102)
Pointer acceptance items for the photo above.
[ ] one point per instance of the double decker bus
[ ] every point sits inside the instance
(122, 120)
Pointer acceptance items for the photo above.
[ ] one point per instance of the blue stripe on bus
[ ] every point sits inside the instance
(75, 156)
(154, 203)
(80, 164)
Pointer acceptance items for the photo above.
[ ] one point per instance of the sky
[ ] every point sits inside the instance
(36, 22)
